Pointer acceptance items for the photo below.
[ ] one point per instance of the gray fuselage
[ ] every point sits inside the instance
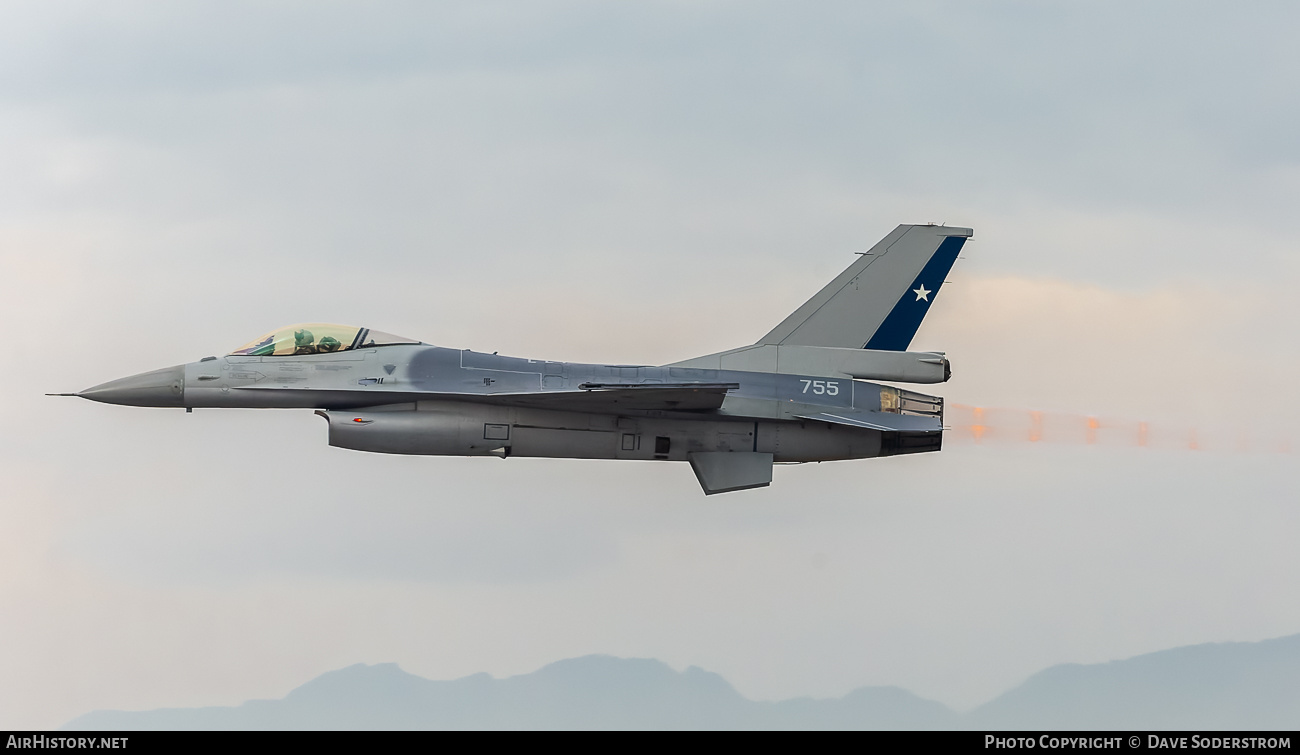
(420, 399)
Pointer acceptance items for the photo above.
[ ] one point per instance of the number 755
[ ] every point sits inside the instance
(820, 387)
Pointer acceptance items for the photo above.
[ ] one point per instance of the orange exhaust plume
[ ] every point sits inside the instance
(997, 426)
(977, 428)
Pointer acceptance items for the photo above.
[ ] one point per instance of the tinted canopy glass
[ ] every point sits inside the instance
(317, 338)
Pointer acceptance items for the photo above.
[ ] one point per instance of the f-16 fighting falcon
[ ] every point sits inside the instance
(802, 393)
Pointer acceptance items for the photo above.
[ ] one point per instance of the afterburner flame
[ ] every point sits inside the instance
(984, 425)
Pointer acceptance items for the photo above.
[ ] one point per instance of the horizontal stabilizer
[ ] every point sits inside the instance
(826, 361)
(885, 421)
(725, 471)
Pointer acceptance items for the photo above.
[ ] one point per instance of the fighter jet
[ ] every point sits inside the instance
(804, 392)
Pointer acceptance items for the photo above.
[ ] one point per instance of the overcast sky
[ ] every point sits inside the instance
(639, 183)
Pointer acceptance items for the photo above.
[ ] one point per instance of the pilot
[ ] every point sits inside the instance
(303, 342)
(328, 344)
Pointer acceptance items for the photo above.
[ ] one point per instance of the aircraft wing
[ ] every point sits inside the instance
(611, 397)
(601, 398)
(887, 421)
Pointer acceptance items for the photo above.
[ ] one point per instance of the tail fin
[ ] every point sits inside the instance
(880, 300)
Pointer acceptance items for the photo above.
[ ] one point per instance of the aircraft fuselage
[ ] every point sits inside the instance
(419, 399)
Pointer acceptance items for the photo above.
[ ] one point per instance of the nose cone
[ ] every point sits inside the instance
(158, 388)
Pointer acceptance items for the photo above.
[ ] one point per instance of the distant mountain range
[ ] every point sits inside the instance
(1239, 685)
(1223, 685)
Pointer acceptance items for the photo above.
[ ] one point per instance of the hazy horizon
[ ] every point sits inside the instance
(1207, 687)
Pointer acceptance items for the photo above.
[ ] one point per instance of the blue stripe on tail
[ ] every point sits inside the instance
(900, 325)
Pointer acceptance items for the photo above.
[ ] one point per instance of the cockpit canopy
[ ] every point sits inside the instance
(317, 338)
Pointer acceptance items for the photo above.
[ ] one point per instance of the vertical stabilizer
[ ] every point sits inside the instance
(881, 299)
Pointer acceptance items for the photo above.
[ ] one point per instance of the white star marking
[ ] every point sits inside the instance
(922, 293)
